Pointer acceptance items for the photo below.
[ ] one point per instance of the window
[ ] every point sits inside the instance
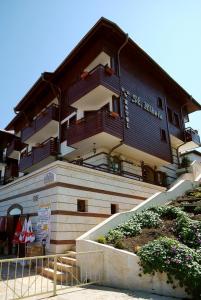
(163, 136)
(160, 103)
(15, 209)
(81, 206)
(176, 120)
(116, 105)
(170, 117)
(114, 208)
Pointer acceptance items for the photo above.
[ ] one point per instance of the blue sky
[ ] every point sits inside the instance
(37, 35)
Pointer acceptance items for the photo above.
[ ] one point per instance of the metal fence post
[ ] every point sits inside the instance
(55, 276)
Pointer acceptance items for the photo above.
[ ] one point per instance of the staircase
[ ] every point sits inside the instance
(66, 269)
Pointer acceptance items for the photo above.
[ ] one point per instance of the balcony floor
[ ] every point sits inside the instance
(103, 141)
(50, 130)
(106, 142)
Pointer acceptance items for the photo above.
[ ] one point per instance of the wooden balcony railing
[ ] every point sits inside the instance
(11, 170)
(97, 76)
(100, 121)
(51, 113)
(191, 135)
(46, 149)
(159, 178)
(15, 145)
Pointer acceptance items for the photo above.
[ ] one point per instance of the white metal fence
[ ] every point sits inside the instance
(30, 276)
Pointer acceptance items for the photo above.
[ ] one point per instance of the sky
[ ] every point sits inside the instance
(36, 36)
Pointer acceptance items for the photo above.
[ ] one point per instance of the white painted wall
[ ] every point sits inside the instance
(121, 270)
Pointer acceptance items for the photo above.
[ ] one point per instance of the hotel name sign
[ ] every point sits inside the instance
(139, 102)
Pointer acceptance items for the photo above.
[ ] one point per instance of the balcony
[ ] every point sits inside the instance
(100, 121)
(43, 153)
(192, 136)
(90, 92)
(45, 123)
(11, 170)
(14, 148)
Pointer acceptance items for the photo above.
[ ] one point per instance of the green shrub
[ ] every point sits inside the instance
(119, 244)
(101, 239)
(194, 193)
(188, 231)
(177, 260)
(133, 227)
(114, 235)
(197, 210)
(169, 212)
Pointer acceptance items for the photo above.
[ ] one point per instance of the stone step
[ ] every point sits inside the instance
(68, 260)
(49, 273)
(72, 254)
(62, 267)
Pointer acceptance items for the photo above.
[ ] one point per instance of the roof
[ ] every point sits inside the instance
(102, 22)
(5, 138)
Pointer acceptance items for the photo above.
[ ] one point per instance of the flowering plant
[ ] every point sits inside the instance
(177, 260)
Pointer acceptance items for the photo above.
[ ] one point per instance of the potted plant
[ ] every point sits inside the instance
(109, 70)
(184, 166)
(84, 75)
(114, 114)
(185, 162)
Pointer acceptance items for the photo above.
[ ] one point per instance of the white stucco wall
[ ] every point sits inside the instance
(121, 270)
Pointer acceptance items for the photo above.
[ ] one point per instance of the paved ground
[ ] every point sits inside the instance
(102, 293)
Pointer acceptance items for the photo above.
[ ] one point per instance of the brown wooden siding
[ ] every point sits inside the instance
(100, 121)
(51, 113)
(96, 77)
(145, 129)
(48, 148)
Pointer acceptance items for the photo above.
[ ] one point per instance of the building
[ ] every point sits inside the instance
(192, 155)
(97, 136)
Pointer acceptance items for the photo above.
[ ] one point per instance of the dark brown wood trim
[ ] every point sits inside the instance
(62, 242)
(73, 186)
(77, 213)
(32, 214)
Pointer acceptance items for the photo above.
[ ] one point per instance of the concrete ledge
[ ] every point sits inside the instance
(121, 270)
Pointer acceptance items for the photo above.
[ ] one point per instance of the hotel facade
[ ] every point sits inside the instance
(99, 135)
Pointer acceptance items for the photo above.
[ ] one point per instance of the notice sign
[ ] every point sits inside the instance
(43, 225)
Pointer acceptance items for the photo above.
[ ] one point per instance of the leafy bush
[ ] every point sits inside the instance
(188, 231)
(197, 210)
(101, 239)
(169, 212)
(194, 193)
(133, 227)
(119, 244)
(177, 260)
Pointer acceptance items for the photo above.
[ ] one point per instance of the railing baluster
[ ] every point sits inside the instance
(8, 271)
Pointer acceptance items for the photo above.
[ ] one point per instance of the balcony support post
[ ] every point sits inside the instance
(58, 95)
